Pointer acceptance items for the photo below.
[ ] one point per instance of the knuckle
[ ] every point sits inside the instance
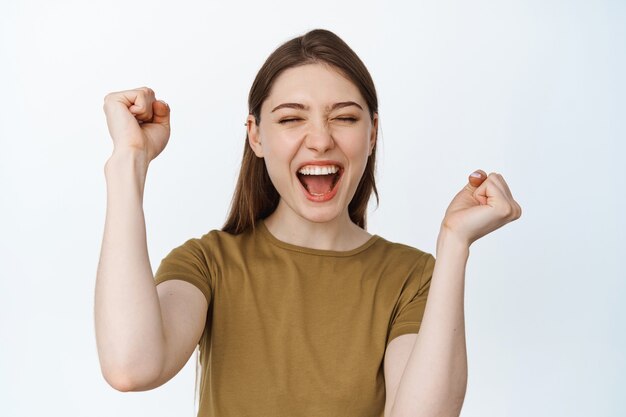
(147, 90)
(108, 100)
(108, 97)
(507, 211)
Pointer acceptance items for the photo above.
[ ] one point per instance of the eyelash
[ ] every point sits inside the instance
(285, 121)
(349, 119)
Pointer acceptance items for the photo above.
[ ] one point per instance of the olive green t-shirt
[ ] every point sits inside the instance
(293, 331)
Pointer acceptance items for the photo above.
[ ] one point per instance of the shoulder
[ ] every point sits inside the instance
(402, 252)
(204, 245)
(220, 245)
(217, 237)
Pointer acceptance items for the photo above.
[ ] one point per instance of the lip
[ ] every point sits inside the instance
(331, 194)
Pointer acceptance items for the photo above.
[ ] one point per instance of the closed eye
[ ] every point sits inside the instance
(343, 119)
(285, 121)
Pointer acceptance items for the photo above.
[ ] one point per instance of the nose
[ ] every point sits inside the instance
(319, 138)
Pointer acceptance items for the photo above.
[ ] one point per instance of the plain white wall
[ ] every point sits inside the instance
(531, 89)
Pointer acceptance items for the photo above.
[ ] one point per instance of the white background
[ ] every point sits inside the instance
(531, 89)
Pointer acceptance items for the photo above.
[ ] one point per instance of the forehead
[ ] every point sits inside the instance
(312, 84)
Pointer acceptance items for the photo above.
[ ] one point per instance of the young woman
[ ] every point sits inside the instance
(297, 310)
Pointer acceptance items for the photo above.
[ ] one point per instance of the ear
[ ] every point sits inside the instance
(254, 137)
(374, 133)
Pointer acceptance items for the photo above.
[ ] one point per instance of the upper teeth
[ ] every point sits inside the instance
(318, 170)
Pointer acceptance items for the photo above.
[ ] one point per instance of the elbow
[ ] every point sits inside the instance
(122, 385)
(126, 381)
(455, 405)
(119, 381)
(450, 407)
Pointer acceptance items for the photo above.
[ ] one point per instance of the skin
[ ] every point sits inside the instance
(138, 351)
(129, 311)
(432, 380)
(315, 134)
(430, 377)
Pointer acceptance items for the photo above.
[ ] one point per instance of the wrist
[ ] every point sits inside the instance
(126, 169)
(127, 159)
(451, 240)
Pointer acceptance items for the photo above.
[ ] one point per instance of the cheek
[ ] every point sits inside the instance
(278, 155)
(356, 145)
(279, 142)
(278, 175)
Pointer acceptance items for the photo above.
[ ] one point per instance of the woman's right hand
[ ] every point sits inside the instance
(137, 122)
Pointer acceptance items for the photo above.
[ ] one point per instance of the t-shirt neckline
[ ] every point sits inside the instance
(321, 252)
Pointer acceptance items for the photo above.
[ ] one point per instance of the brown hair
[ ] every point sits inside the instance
(255, 196)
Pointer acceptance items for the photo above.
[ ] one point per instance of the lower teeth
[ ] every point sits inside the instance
(317, 194)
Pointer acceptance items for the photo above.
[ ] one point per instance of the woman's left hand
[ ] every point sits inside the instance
(482, 206)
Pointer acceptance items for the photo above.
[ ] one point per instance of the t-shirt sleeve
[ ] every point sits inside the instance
(188, 262)
(412, 302)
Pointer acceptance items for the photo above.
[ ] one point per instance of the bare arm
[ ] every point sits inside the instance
(434, 380)
(130, 336)
(435, 377)
(129, 328)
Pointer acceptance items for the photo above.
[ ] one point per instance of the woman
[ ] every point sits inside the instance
(296, 309)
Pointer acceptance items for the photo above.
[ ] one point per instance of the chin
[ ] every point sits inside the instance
(319, 215)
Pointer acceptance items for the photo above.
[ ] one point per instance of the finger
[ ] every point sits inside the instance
(500, 182)
(499, 179)
(475, 179)
(496, 181)
(488, 191)
(484, 191)
(161, 113)
(118, 117)
(142, 104)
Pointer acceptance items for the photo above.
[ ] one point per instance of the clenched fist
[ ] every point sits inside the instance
(137, 121)
(482, 206)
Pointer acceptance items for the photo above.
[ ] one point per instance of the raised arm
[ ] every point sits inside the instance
(433, 382)
(128, 321)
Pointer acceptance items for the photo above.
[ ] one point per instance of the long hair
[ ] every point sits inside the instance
(255, 196)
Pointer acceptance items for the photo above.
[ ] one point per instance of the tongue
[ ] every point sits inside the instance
(318, 184)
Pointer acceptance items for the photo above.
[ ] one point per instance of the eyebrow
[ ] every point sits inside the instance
(303, 107)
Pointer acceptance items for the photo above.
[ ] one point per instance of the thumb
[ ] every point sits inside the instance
(476, 178)
(161, 112)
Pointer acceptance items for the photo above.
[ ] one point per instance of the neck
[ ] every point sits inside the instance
(339, 234)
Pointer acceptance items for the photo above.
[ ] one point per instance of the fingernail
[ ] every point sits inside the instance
(476, 174)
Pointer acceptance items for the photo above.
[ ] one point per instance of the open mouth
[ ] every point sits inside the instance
(319, 184)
